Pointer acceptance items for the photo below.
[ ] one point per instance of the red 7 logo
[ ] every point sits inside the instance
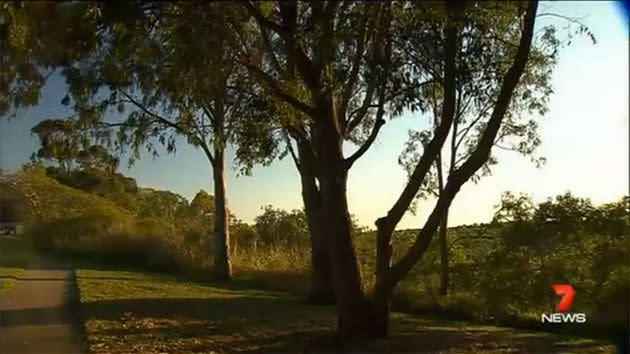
(567, 293)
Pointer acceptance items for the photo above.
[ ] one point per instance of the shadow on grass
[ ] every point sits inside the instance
(265, 324)
(279, 323)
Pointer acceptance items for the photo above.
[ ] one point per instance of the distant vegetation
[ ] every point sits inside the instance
(566, 239)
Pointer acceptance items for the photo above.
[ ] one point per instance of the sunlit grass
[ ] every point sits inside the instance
(8, 277)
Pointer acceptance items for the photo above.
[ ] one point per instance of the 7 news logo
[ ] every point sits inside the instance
(562, 315)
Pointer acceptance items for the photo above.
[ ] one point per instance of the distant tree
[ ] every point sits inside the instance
(160, 204)
(290, 228)
(279, 227)
(97, 157)
(563, 239)
(202, 204)
(58, 143)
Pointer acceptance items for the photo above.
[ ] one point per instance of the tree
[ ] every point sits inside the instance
(57, 142)
(97, 157)
(167, 68)
(329, 70)
(473, 102)
(564, 239)
(318, 64)
(160, 204)
(280, 227)
(202, 204)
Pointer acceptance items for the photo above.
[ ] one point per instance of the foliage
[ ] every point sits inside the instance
(565, 239)
(282, 228)
(288, 228)
(480, 71)
(562, 240)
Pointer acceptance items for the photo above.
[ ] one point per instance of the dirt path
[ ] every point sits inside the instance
(39, 314)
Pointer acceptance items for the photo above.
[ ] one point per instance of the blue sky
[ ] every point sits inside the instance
(585, 141)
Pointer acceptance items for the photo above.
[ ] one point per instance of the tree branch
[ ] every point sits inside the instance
(280, 93)
(477, 158)
(362, 110)
(291, 151)
(441, 132)
(346, 94)
(262, 20)
(198, 140)
(275, 63)
(378, 123)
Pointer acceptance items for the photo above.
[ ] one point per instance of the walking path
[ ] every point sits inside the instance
(40, 313)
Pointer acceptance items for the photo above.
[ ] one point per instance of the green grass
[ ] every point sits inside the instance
(8, 277)
(14, 258)
(128, 311)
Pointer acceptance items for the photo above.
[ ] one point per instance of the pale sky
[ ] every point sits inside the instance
(585, 141)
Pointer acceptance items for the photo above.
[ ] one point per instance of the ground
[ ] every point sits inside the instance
(13, 261)
(128, 311)
(39, 314)
(8, 276)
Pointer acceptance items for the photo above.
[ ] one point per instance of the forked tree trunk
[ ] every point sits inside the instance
(388, 277)
(222, 266)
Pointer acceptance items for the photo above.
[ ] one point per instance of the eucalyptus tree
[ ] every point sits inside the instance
(473, 100)
(141, 75)
(336, 67)
(332, 70)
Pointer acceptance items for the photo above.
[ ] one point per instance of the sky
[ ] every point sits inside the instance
(584, 134)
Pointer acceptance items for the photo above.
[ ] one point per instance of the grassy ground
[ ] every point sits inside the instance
(14, 258)
(127, 311)
(8, 276)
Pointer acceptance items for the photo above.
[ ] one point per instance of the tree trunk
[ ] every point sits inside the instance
(354, 311)
(321, 291)
(444, 256)
(382, 289)
(222, 266)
